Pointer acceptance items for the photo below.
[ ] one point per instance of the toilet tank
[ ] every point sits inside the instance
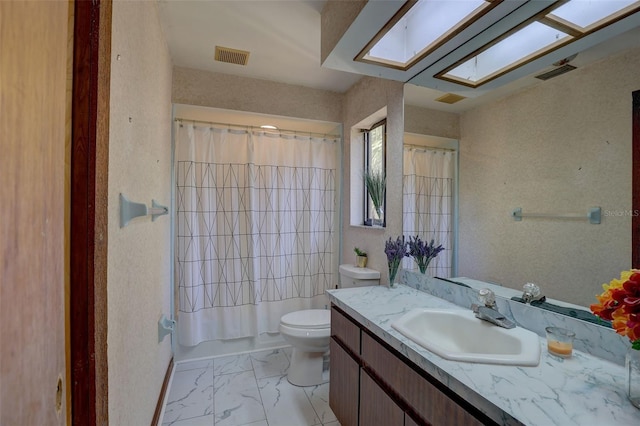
(352, 276)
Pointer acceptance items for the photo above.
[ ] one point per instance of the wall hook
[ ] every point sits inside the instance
(165, 326)
(130, 210)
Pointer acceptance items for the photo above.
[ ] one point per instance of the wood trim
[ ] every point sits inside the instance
(635, 219)
(101, 201)
(163, 394)
(88, 245)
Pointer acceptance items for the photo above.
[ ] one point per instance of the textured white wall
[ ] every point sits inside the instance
(430, 122)
(362, 100)
(562, 146)
(138, 255)
(203, 88)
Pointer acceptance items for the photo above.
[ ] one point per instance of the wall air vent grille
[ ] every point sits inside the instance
(450, 98)
(232, 56)
(556, 72)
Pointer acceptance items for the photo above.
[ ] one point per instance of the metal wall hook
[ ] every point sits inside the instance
(165, 326)
(130, 210)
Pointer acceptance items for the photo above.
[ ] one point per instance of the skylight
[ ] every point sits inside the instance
(566, 23)
(425, 27)
(584, 13)
(532, 39)
(419, 28)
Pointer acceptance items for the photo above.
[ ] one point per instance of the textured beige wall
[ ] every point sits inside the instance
(363, 99)
(203, 88)
(337, 16)
(424, 121)
(140, 168)
(562, 146)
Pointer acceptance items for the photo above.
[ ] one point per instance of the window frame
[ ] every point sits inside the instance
(366, 200)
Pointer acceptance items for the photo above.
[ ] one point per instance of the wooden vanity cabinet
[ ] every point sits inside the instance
(372, 384)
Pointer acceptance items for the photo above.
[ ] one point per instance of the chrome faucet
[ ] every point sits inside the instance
(487, 311)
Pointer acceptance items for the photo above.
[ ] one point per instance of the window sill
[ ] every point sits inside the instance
(380, 228)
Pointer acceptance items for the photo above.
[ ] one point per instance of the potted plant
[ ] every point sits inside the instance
(361, 258)
(376, 184)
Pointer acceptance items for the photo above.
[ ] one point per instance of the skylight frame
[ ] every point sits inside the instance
(599, 24)
(363, 55)
(545, 17)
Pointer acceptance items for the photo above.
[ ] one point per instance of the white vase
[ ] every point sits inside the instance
(632, 363)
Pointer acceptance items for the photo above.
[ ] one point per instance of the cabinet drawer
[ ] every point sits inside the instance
(427, 400)
(345, 330)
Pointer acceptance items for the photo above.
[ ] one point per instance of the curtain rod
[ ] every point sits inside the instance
(427, 148)
(247, 127)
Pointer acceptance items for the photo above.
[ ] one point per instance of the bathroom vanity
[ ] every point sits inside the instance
(376, 385)
(378, 376)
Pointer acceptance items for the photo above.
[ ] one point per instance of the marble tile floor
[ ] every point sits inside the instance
(244, 390)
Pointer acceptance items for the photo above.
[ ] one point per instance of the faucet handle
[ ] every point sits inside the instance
(531, 292)
(487, 297)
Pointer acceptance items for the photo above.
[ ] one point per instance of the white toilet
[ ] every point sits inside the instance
(308, 331)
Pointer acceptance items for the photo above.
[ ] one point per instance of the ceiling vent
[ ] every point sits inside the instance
(232, 56)
(450, 98)
(556, 72)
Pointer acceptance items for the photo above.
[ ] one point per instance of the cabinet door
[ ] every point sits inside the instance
(408, 421)
(427, 400)
(376, 407)
(344, 385)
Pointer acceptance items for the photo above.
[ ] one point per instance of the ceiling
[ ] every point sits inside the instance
(283, 38)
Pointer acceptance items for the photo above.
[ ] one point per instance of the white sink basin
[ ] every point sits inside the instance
(458, 335)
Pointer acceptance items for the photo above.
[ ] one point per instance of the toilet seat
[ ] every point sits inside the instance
(308, 319)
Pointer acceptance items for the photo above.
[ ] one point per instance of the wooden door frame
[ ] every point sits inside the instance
(635, 218)
(88, 222)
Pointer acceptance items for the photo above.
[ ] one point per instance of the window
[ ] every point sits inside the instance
(375, 164)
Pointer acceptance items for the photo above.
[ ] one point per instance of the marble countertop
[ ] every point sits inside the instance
(582, 390)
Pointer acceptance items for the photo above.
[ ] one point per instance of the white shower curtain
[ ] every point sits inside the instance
(255, 228)
(428, 190)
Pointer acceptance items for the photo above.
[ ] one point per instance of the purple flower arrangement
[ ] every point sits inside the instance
(395, 251)
(422, 252)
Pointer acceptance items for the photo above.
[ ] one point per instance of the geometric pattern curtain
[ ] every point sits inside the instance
(255, 229)
(428, 192)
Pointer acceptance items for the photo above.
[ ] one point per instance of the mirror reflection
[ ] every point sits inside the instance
(557, 146)
(429, 197)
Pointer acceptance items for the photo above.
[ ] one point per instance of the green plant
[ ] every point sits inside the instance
(376, 184)
(360, 252)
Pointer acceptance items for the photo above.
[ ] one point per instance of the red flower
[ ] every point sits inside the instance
(633, 325)
(620, 304)
(632, 294)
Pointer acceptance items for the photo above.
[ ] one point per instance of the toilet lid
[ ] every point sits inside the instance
(310, 318)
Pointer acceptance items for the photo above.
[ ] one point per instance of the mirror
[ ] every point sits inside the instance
(428, 197)
(559, 146)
